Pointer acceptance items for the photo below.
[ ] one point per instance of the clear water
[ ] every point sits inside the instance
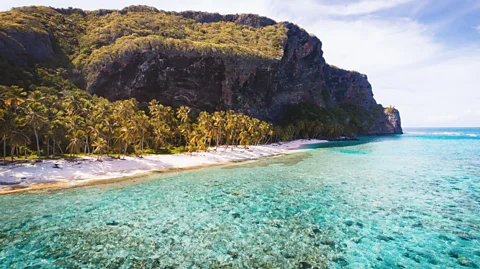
(410, 201)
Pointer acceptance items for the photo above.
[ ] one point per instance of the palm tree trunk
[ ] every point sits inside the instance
(61, 151)
(38, 143)
(12, 153)
(4, 148)
(143, 138)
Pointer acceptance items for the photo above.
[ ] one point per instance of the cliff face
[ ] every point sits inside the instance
(22, 48)
(255, 86)
(390, 125)
(213, 80)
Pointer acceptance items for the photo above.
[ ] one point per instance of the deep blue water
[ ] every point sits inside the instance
(404, 201)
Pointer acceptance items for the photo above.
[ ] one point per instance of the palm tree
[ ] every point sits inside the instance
(124, 111)
(36, 114)
(219, 124)
(75, 126)
(162, 121)
(206, 127)
(142, 123)
(10, 99)
(183, 114)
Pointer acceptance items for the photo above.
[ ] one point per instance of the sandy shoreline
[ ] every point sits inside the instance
(88, 171)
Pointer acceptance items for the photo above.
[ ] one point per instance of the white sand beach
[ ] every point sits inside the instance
(21, 176)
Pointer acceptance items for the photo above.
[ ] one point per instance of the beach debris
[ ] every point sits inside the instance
(56, 166)
(9, 183)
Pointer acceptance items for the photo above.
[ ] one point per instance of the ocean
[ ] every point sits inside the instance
(400, 201)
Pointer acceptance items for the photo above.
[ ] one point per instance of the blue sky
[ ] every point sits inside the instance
(423, 56)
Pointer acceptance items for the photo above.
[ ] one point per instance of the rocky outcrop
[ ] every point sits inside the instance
(245, 19)
(391, 125)
(255, 86)
(259, 87)
(348, 87)
(23, 48)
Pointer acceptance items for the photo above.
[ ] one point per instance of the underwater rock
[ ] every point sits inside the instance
(340, 261)
(328, 243)
(232, 254)
(112, 223)
(413, 257)
(304, 265)
(466, 236)
(417, 225)
(385, 238)
(462, 260)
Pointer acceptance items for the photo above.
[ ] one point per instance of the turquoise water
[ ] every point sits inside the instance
(409, 201)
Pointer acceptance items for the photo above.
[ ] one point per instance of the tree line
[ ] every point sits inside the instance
(74, 122)
(49, 124)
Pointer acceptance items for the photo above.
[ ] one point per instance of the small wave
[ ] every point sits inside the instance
(417, 133)
(444, 134)
(448, 133)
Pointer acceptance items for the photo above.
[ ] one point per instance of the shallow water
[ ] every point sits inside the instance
(410, 201)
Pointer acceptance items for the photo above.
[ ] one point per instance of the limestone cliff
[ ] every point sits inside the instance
(256, 83)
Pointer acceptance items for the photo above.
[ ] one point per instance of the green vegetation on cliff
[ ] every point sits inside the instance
(307, 120)
(84, 40)
(391, 109)
(79, 34)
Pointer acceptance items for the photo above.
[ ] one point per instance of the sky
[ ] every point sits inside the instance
(421, 56)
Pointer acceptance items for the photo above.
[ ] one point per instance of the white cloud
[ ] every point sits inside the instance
(431, 84)
(347, 9)
(478, 28)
